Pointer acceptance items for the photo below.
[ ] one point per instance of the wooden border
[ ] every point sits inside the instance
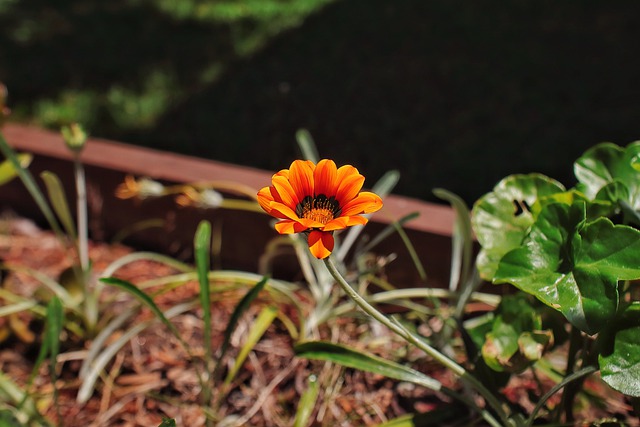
(245, 235)
(179, 168)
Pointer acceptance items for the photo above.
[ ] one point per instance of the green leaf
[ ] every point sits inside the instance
(307, 402)
(574, 266)
(461, 240)
(432, 418)
(8, 170)
(620, 363)
(31, 186)
(515, 340)
(146, 300)
(201, 244)
(307, 145)
(168, 422)
(59, 202)
(345, 356)
(259, 327)
(608, 163)
(242, 306)
(7, 419)
(502, 218)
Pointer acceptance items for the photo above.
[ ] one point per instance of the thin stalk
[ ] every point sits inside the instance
(81, 189)
(90, 300)
(435, 354)
(570, 391)
(579, 375)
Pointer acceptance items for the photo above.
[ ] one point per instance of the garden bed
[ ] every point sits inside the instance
(157, 371)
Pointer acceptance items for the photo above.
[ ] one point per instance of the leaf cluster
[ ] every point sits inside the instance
(575, 250)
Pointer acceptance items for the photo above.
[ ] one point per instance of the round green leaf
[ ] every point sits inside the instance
(515, 340)
(607, 163)
(502, 218)
(574, 266)
(620, 365)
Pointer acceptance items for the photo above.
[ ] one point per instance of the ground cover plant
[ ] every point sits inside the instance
(554, 345)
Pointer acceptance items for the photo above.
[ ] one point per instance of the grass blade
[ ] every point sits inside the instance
(55, 320)
(382, 188)
(307, 145)
(30, 183)
(59, 202)
(462, 239)
(307, 402)
(97, 343)
(242, 306)
(50, 345)
(345, 356)
(202, 245)
(12, 393)
(146, 300)
(98, 365)
(17, 307)
(262, 322)
(388, 230)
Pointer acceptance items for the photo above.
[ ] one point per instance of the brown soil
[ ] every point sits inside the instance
(153, 377)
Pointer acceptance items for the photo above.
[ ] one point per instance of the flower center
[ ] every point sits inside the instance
(321, 208)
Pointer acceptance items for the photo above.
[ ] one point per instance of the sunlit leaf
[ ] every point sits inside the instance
(501, 218)
(8, 170)
(258, 328)
(620, 364)
(573, 265)
(609, 163)
(351, 358)
(307, 402)
(59, 202)
(461, 240)
(238, 311)
(307, 145)
(146, 300)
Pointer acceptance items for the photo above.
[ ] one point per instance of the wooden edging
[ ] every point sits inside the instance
(433, 218)
(246, 235)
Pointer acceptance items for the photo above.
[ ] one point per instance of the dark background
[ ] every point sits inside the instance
(454, 94)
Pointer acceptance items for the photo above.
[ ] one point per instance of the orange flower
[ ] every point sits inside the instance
(317, 200)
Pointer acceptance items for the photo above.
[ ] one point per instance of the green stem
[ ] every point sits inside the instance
(570, 390)
(90, 300)
(411, 338)
(576, 376)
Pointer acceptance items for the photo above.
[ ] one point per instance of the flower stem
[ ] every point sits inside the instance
(411, 338)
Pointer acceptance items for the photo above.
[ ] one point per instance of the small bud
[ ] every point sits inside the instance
(74, 136)
(203, 199)
(143, 188)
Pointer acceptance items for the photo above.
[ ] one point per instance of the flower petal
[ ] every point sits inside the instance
(356, 220)
(288, 226)
(348, 187)
(280, 210)
(320, 244)
(365, 202)
(301, 178)
(324, 178)
(285, 190)
(264, 198)
(337, 224)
